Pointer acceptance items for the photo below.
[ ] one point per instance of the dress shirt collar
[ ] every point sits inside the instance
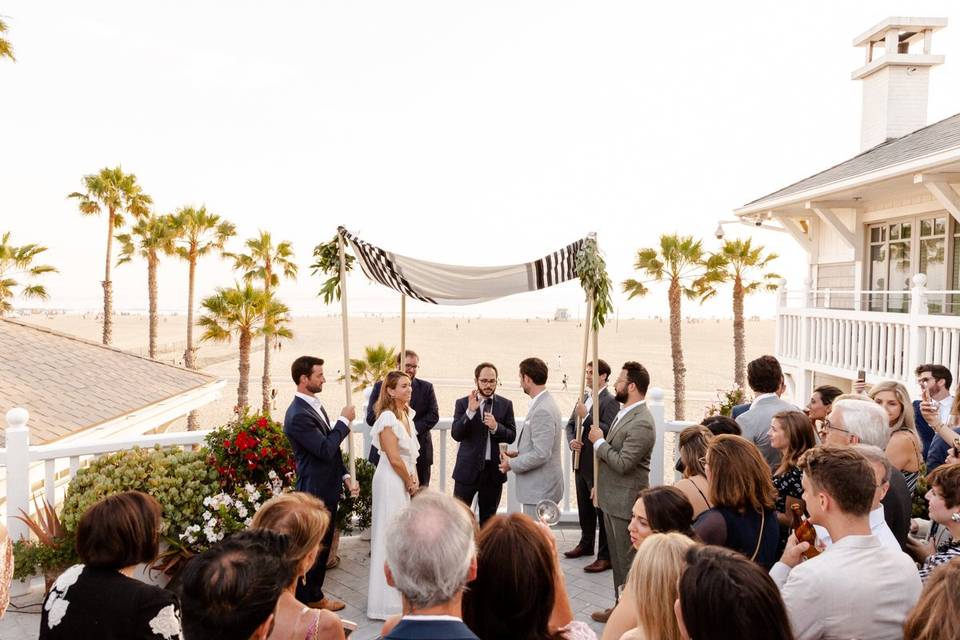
(414, 616)
(764, 396)
(533, 400)
(856, 542)
(630, 407)
(313, 401)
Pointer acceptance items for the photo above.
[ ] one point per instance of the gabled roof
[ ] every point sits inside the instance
(934, 138)
(69, 384)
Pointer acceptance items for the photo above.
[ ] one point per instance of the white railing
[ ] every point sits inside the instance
(886, 345)
(62, 461)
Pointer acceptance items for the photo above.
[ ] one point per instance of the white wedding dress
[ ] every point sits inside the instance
(389, 497)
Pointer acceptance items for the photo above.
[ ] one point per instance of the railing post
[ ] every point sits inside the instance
(918, 308)
(655, 405)
(18, 471)
(805, 294)
(777, 314)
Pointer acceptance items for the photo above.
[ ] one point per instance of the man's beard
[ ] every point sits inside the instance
(485, 394)
(314, 388)
(622, 396)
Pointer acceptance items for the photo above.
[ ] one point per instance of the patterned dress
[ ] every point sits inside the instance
(945, 553)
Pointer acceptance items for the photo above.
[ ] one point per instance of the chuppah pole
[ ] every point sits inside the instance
(583, 376)
(346, 350)
(596, 415)
(403, 331)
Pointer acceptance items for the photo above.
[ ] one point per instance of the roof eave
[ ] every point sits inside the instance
(790, 200)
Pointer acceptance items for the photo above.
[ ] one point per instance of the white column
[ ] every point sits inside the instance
(18, 471)
(655, 405)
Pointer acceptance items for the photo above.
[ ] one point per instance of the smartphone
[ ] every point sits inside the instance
(861, 375)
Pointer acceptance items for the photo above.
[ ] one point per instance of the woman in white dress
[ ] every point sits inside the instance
(393, 483)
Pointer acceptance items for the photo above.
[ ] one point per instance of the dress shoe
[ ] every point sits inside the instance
(597, 566)
(578, 551)
(330, 604)
(602, 616)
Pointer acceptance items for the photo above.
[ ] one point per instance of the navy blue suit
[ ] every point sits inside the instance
(475, 472)
(739, 408)
(423, 400)
(414, 629)
(924, 430)
(320, 471)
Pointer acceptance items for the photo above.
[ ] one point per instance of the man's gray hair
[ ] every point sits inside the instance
(430, 545)
(865, 419)
(876, 455)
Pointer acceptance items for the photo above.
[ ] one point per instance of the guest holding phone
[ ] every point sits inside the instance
(481, 422)
(946, 430)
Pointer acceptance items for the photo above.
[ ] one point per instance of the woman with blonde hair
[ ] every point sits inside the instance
(692, 446)
(903, 448)
(653, 579)
(394, 482)
(304, 519)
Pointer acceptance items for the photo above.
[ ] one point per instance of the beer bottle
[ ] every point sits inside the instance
(804, 532)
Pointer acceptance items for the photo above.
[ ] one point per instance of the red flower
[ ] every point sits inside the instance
(226, 443)
(262, 422)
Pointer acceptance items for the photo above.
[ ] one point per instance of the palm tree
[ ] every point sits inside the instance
(120, 194)
(740, 262)
(6, 49)
(265, 262)
(150, 238)
(245, 312)
(690, 272)
(377, 362)
(198, 233)
(17, 262)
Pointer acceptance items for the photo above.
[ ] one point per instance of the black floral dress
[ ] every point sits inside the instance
(787, 484)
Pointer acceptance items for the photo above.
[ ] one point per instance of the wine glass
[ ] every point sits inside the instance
(548, 512)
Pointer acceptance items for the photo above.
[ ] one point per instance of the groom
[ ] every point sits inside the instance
(320, 470)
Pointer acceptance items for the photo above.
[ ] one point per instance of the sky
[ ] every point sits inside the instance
(478, 133)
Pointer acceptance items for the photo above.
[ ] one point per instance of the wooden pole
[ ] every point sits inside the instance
(583, 378)
(596, 416)
(346, 352)
(403, 331)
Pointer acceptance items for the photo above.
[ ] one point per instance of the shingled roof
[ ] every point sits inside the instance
(934, 138)
(69, 384)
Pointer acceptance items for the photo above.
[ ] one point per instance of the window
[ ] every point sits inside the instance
(899, 250)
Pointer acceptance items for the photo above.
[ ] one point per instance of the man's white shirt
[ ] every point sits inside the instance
(623, 411)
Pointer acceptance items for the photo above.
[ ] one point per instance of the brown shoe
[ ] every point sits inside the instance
(577, 552)
(598, 566)
(330, 604)
(602, 616)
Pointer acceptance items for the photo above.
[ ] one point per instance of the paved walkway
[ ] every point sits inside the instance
(348, 582)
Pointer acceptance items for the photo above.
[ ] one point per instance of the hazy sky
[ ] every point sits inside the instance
(469, 133)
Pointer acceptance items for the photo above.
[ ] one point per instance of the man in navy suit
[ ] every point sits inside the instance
(481, 421)
(935, 379)
(320, 468)
(431, 556)
(423, 400)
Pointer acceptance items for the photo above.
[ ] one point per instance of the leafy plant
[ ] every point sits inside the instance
(726, 401)
(377, 362)
(247, 449)
(356, 514)
(327, 262)
(52, 551)
(591, 269)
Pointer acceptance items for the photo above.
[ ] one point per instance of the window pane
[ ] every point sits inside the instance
(926, 228)
(874, 234)
(905, 229)
(933, 263)
(894, 232)
(878, 276)
(900, 273)
(940, 226)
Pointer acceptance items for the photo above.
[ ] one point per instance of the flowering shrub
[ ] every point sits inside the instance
(726, 401)
(246, 450)
(226, 513)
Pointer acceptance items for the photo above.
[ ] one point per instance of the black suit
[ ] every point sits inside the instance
(320, 471)
(589, 515)
(417, 629)
(423, 400)
(477, 472)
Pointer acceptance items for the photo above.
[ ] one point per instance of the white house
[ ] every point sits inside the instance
(880, 231)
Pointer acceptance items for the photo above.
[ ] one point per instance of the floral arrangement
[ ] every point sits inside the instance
(726, 401)
(248, 450)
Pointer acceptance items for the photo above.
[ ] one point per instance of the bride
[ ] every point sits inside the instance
(393, 483)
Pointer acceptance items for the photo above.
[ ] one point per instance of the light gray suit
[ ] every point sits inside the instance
(755, 422)
(539, 475)
(623, 472)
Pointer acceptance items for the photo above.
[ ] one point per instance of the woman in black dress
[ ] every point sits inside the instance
(791, 433)
(742, 517)
(99, 598)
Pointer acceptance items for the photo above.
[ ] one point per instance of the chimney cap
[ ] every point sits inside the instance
(912, 28)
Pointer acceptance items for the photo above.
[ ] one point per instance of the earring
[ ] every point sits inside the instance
(955, 517)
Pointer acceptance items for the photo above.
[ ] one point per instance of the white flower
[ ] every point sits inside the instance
(167, 623)
(248, 522)
(207, 501)
(206, 515)
(57, 608)
(272, 475)
(241, 510)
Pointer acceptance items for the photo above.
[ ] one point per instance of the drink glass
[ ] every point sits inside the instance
(548, 512)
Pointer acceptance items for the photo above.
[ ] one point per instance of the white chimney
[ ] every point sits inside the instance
(895, 82)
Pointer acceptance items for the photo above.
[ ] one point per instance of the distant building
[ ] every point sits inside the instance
(561, 314)
(881, 231)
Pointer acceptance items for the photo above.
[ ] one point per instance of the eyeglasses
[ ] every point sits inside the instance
(828, 426)
(487, 381)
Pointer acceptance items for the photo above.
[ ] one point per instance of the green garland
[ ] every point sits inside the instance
(591, 269)
(327, 262)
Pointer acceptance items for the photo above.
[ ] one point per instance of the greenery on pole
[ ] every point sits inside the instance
(327, 262)
(591, 269)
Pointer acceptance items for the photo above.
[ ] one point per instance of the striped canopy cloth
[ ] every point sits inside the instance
(455, 285)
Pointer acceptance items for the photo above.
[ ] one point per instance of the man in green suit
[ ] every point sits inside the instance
(623, 458)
